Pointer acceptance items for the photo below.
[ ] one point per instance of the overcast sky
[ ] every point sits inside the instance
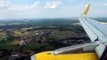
(15, 9)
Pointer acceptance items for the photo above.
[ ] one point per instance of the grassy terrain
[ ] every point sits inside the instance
(12, 30)
(60, 33)
(3, 36)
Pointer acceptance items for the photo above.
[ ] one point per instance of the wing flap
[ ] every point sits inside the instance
(100, 49)
(98, 29)
(88, 30)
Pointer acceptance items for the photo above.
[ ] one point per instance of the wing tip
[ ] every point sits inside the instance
(87, 9)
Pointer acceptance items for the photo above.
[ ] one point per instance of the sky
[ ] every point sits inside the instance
(28, 9)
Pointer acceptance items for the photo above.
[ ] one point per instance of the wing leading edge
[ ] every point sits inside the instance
(96, 31)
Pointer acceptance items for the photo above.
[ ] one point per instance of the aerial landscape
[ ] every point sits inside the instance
(30, 27)
(29, 37)
(23, 38)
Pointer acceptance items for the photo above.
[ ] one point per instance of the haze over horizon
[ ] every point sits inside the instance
(25, 9)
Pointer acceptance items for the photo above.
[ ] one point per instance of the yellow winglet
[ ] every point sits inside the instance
(87, 9)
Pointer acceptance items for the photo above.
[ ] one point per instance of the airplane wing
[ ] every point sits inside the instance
(95, 30)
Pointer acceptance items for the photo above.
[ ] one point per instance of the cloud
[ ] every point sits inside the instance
(22, 7)
(4, 4)
(105, 4)
(53, 4)
(11, 10)
(47, 8)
